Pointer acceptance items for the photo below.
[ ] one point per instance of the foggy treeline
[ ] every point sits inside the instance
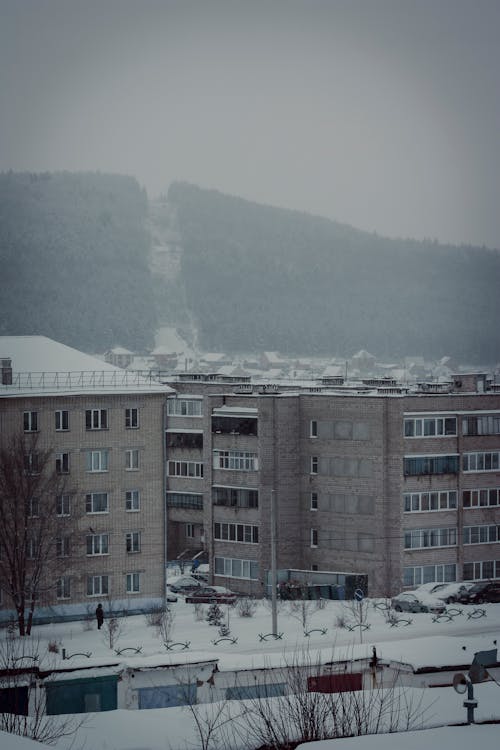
(75, 255)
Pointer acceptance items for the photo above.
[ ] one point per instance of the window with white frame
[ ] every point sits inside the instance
(96, 419)
(481, 570)
(33, 507)
(235, 460)
(97, 460)
(313, 428)
(63, 546)
(132, 500)
(484, 534)
(63, 587)
(314, 501)
(236, 532)
(63, 505)
(30, 421)
(133, 541)
(192, 469)
(314, 464)
(231, 567)
(184, 407)
(415, 576)
(97, 544)
(97, 502)
(314, 537)
(62, 420)
(97, 585)
(424, 502)
(31, 463)
(481, 424)
(481, 498)
(132, 418)
(422, 538)
(132, 459)
(481, 461)
(430, 426)
(133, 583)
(62, 463)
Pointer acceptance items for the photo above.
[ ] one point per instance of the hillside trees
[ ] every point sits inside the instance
(34, 525)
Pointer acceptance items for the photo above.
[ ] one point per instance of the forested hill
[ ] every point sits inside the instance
(74, 254)
(261, 278)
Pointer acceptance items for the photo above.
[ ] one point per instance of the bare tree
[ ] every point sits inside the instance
(24, 707)
(31, 530)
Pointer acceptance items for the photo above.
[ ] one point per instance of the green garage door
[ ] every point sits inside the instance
(82, 695)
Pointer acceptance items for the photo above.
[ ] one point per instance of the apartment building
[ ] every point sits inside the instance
(104, 427)
(397, 484)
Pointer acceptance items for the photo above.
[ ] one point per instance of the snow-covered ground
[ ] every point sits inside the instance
(422, 643)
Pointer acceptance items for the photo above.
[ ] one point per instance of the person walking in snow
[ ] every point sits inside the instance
(99, 615)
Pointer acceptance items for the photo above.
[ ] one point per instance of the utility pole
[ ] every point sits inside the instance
(274, 581)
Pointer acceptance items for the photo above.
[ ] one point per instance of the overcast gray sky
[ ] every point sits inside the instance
(384, 114)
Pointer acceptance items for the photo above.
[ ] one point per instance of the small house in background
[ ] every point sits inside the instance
(362, 362)
(164, 358)
(119, 357)
(273, 361)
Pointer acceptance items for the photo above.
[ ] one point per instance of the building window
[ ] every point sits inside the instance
(184, 500)
(235, 425)
(97, 585)
(314, 464)
(133, 583)
(62, 420)
(236, 568)
(236, 497)
(33, 507)
(486, 424)
(485, 534)
(133, 541)
(235, 460)
(481, 571)
(419, 574)
(132, 459)
(62, 463)
(236, 532)
(185, 469)
(184, 407)
(423, 502)
(314, 537)
(430, 426)
(422, 465)
(63, 546)
(97, 460)
(422, 538)
(314, 501)
(481, 498)
(97, 544)
(132, 500)
(480, 461)
(179, 439)
(30, 421)
(32, 548)
(96, 502)
(189, 527)
(132, 419)
(31, 463)
(63, 505)
(313, 428)
(63, 588)
(96, 419)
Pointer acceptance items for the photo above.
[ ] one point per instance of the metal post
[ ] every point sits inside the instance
(470, 704)
(274, 582)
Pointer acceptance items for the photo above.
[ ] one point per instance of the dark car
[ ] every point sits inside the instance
(487, 591)
(211, 594)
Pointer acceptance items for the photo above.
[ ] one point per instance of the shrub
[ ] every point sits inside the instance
(246, 607)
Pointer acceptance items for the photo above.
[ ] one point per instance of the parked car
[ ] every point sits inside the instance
(171, 598)
(184, 585)
(410, 601)
(211, 594)
(447, 592)
(486, 591)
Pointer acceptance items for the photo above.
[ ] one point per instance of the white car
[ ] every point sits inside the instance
(412, 601)
(447, 592)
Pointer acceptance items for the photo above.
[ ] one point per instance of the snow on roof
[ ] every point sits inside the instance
(41, 366)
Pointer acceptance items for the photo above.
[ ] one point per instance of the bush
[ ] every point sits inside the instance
(246, 607)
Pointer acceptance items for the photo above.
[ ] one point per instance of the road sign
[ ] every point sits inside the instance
(359, 595)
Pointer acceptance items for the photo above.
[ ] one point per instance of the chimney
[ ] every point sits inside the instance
(6, 370)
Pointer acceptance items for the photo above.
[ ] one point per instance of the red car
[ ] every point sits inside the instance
(211, 594)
